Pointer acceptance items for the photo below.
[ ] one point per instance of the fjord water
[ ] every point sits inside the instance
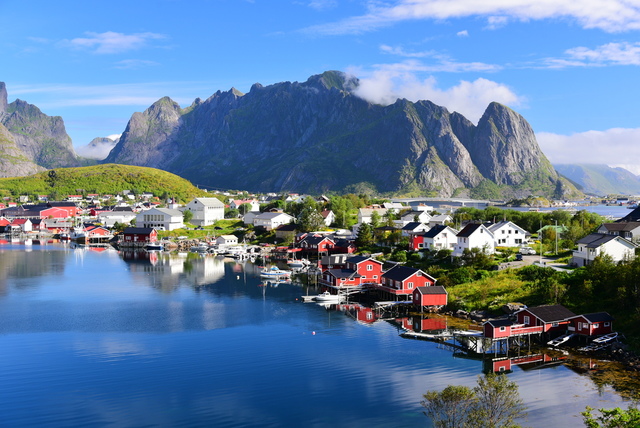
(91, 338)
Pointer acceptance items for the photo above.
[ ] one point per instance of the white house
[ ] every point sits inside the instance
(413, 216)
(328, 216)
(414, 228)
(441, 219)
(474, 235)
(440, 237)
(394, 207)
(272, 220)
(508, 234)
(235, 204)
(160, 219)
(206, 211)
(250, 216)
(227, 240)
(596, 244)
(364, 214)
(122, 215)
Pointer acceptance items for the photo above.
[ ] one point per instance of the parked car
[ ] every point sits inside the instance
(527, 250)
(518, 257)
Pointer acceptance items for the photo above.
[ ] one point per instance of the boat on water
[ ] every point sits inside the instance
(200, 248)
(327, 297)
(298, 264)
(274, 272)
(154, 247)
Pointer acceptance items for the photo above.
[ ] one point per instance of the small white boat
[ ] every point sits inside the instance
(327, 297)
(298, 264)
(274, 272)
(200, 248)
(155, 247)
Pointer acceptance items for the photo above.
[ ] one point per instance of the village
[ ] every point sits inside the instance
(330, 255)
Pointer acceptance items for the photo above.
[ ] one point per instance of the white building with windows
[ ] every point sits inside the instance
(160, 219)
(508, 234)
(474, 235)
(206, 211)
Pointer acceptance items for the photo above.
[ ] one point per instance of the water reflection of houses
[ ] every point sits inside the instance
(525, 362)
(168, 271)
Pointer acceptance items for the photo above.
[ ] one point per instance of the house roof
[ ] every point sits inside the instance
(550, 313)
(325, 213)
(434, 231)
(434, 289)
(210, 202)
(289, 227)
(595, 240)
(271, 216)
(314, 239)
(138, 230)
(632, 216)
(469, 230)
(401, 273)
(500, 322)
(344, 273)
(598, 317)
(503, 223)
(621, 227)
(360, 259)
(412, 225)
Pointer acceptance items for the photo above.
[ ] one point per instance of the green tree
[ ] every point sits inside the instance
(612, 418)
(498, 402)
(365, 235)
(451, 407)
(310, 220)
(187, 216)
(495, 402)
(375, 219)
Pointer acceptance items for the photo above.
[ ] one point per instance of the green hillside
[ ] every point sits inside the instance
(101, 179)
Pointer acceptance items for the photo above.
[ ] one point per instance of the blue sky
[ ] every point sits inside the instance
(569, 67)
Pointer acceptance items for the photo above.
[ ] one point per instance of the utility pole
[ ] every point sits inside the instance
(556, 237)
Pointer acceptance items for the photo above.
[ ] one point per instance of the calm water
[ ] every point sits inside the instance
(90, 339)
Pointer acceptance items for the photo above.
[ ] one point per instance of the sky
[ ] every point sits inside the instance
(568, 67)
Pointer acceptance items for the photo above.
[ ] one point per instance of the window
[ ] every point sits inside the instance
(410, 285)
(526, 319)
(607, 324)
(596, 325)
(555, 324)
(369, 267)
(503, 328)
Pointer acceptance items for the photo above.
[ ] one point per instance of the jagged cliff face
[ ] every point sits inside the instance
(41, 138)
(13, 162)
(317, 136)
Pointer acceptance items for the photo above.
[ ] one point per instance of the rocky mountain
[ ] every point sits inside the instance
(13, 162)
(601, 180)
(319, 136)
(42, 139)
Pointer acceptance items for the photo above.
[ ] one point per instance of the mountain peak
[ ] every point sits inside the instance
(333, 79)
(3, 98)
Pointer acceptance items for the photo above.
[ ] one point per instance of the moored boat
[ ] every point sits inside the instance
(327, 297)
(274, 272)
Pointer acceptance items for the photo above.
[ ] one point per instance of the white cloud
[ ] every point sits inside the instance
(595, 147)
(463, 33)
(607, 15)
(614, 53)
(323, 4)
(97, 151)
(387, 84)
(134, 64)
(111, 42)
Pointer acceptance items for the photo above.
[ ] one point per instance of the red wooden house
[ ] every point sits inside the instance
(432, 296)
(316, 244)
(341, 278)
(400, 281)
(595, 324)
(552, 318)
(138, 236)
(369, 269)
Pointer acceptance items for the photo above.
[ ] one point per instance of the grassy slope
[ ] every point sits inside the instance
(101, 179)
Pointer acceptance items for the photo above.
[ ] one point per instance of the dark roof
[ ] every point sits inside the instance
(138, 230)
(500, 322)
(468, 230)
(386, 228)
(621, 227)
(434, 289)
(550, 313)
(62, 204)
(598, 317)
(412, 225)
(289, 227)
(400, 273)
(123, 209)
(314, 240)
(632, 216)
(434, 231)
(597, 239)
(360, 259)
(344, 273)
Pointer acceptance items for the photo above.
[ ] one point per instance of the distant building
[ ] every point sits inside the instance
(206, 211)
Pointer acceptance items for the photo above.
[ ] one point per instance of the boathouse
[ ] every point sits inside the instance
(432, 297)
(138, 236)
(368, 268)
(552, 318)
(594, 324)
(399, 282)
